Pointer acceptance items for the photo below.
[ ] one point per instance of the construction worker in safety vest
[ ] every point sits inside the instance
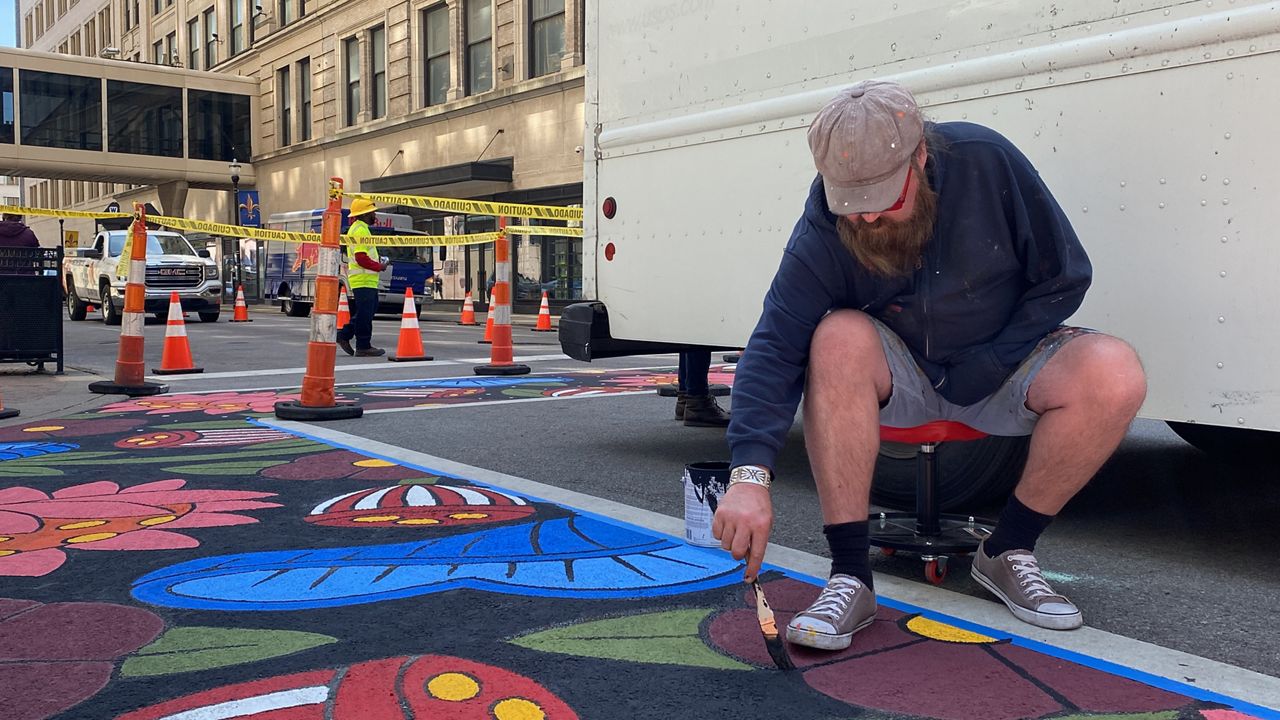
(362, 278)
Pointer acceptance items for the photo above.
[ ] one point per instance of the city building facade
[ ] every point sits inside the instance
(479, 99)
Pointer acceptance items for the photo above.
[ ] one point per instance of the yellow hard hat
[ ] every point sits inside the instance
(360, 206)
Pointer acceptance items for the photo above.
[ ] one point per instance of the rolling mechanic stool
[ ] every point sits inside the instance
(927, 531)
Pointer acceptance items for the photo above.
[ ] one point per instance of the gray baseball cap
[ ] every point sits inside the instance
(862, 143)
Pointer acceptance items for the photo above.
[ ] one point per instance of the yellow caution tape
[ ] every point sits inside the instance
(19, 210)
(475, 207)
(544, 230)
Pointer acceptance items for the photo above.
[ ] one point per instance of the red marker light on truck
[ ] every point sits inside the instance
(609, 250)
(609, 207)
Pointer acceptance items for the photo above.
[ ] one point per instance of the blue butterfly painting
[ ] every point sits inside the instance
(570, 557)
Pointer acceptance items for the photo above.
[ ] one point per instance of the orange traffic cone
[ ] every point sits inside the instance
(488, 326)
(7, 412)
(176, 358)
(468, 312)
(344, 310)
(544, 316)
(242, 310)
(410, 346)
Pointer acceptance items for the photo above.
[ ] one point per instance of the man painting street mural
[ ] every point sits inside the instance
(928, 279)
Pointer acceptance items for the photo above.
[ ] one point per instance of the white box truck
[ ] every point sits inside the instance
(1152, 121)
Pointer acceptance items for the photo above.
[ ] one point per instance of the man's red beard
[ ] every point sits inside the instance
(892, 248)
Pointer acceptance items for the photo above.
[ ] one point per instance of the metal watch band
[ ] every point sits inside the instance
(751, 474)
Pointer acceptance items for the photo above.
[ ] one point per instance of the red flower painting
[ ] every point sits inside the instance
(340, 465)
(220, 403)
(55, 656)
(36, 529)
(68, 429)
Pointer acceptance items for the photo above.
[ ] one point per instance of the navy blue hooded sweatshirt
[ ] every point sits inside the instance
(1002, 270)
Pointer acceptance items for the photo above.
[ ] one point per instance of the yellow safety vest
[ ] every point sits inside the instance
(359, 277)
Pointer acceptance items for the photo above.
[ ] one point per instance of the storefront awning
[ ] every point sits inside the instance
(467, 180)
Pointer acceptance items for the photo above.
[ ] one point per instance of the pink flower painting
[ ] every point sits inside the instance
(219, 403)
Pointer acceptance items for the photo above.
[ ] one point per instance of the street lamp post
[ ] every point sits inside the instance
(234, 167)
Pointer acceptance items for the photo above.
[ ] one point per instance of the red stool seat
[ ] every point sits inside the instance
(931, 432)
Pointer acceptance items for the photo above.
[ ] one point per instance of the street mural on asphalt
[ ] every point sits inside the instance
(251, 573)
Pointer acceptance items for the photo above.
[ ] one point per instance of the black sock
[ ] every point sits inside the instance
(1018, 529)
(849, 547)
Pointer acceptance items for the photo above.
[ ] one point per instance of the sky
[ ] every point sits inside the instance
(8, 24)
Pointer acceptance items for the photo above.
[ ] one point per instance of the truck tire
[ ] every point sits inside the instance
(294, 309)
(971, 474)
(209, 316)
(110, 315)
(76, 308)
(1229, 444)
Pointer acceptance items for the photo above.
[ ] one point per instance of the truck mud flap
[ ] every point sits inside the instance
(584, 335)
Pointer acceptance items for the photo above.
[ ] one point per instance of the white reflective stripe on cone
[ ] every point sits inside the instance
(175, 312)
(328, 261)
(324, 327)
(502, 315)
(176, 330)
(137, 272)
(504, 273)
(131, 324)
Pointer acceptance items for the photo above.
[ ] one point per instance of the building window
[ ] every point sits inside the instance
(144, 119)
(155, 7)
(235, 11)
(479, 46)
(61, 111)
(546, 33)
(304, 99)
(104, 27)
(378, 71)
(137, 12)
(435, 41)
(157, 52)
(218, 124)
(193, 43)
(6, 105)
(351, 78)
(28, 36)
(90, 40)
(128, 16)
(210, 39)
(75, 44)
(284, 114)
(285, 12)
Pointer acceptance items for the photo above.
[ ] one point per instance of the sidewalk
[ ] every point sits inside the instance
(45, 395)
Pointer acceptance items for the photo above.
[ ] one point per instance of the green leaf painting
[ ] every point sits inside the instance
(665, 638)
(187, 649)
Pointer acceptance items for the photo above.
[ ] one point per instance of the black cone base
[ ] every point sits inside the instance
(295, 410)
(512, 369)
(110, 387)
(393, 358)
(6, 413)
(182, 371)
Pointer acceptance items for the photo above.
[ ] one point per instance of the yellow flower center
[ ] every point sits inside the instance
(418, 521)
(375, 518)
(373, 463)
(159, 520)
(518, 709)
(44, 428)
(469, 516)
(934, 630)
(7, 553)
(81, 525)
(91, 537)
(454, 687)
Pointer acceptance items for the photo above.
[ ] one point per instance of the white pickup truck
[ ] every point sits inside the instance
(93, 277)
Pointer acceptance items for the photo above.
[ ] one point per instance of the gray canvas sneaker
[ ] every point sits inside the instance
(844, 607)
(1015, 577)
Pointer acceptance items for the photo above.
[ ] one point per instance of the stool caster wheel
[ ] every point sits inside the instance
(935, 571)
(887, 551)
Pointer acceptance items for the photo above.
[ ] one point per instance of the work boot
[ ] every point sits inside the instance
(370, 352)
(1015, 577)
(845, 606)
(346, 346)
(702, 411)
(680, 401)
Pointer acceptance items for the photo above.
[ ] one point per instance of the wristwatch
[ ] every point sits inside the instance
(751, 474)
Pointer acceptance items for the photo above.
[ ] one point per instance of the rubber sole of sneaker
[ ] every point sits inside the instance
(825, 641)
(1031, 617)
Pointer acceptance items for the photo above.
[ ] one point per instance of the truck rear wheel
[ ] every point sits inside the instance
(971, 474)
(76, 308)
(294, 309)
(110, 315)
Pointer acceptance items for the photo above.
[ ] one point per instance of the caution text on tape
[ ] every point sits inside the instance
(475, 207)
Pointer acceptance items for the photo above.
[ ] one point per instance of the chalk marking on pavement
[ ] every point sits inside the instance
(1119, 655)
(491, 403)
(347, 368)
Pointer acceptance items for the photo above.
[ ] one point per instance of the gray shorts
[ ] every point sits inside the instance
(914, 401)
